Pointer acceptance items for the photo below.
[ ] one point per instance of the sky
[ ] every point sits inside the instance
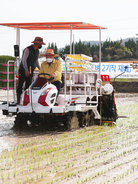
(120, 17)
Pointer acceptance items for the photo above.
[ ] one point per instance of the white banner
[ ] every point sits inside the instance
(114, 69)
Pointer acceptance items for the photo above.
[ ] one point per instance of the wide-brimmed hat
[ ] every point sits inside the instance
(38, 40)
(50, 52)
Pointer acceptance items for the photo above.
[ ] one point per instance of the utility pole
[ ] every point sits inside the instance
(73, 45)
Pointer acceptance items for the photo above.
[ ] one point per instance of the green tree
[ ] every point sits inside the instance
(53, 46)
(131, 44)
(108, 57)
(111, 50)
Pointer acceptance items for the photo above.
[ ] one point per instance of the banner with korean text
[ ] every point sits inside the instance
(114, 69)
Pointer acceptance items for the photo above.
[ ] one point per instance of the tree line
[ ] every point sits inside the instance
(111, 50)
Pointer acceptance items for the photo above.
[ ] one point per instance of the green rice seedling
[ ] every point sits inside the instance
(2, 176)
(68, 165)
(42, 175)
(14, 174)
(87, 150)
(87, 161)
(32, 178)
(37, 176)
(66, 174)
(8, 175)
(86, 179)
(30, 168)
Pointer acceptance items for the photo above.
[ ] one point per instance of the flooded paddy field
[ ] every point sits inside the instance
(92, 155)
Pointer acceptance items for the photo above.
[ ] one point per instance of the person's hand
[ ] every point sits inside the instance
(52, 75)
(26, 73)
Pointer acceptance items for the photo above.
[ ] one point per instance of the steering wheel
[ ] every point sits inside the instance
(51, 78)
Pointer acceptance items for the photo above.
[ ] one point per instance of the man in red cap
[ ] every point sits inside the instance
(28, 63)
(52, 67)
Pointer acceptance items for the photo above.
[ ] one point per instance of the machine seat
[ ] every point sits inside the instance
(38, 84)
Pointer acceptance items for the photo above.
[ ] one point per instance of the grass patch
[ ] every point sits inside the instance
(124, 80)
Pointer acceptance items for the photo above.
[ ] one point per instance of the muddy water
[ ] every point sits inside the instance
(10, 138)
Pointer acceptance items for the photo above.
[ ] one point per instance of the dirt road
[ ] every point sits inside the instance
(94, 155)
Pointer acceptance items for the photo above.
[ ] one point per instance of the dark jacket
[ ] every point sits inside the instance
(31, 60)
